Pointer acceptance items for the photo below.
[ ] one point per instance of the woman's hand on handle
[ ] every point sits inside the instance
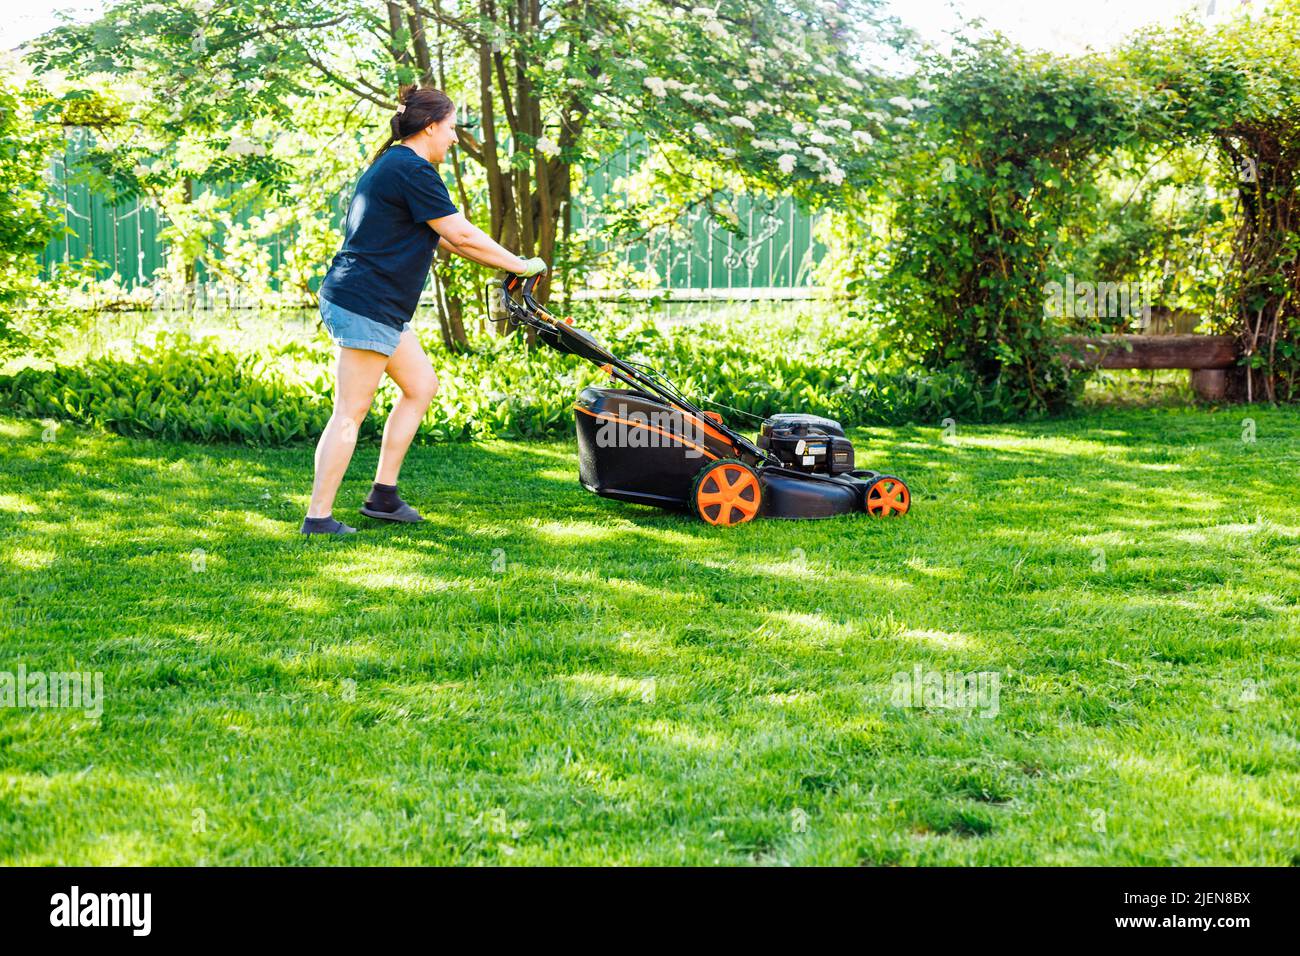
(532, 267)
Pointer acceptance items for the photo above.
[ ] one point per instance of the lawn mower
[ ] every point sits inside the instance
(647, 443)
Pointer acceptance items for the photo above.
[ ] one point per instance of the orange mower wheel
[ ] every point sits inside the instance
(726, 492)
(887, 495)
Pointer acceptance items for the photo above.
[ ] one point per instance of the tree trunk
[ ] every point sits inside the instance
(451, 315)
(1267, 298)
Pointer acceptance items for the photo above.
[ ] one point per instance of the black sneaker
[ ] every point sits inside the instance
(384, 503)
(325, 526)
(403, 512)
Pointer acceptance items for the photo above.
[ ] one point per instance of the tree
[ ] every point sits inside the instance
(551, 84)
(27, 219)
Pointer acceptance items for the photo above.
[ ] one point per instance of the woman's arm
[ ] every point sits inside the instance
(469, 241)
(445, 243)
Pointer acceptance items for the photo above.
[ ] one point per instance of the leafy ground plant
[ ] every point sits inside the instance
(176, 386)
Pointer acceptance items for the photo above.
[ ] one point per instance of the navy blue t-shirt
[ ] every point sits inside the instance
(388, 245)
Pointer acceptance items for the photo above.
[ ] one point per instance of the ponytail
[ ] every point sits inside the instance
(417, 109)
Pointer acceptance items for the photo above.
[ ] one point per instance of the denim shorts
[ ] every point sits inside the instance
(352, 331)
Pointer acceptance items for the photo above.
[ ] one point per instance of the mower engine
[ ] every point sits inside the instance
(807, 443)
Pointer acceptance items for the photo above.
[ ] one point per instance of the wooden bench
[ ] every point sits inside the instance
(1207, 356)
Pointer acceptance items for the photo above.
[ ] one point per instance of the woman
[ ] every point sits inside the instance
(398, 215)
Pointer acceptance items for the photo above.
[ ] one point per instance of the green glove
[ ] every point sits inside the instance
(532, 267)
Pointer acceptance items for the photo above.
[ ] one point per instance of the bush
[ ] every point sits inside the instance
(27, 215)
(178, 387)
(1002, 164)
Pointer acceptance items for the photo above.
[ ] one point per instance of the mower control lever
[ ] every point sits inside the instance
(516, 313)
(512, 281)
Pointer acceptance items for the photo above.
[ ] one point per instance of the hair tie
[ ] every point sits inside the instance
(401, 107)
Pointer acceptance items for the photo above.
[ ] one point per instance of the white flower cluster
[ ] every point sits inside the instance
(656, 86)
(547, 147)
(786, 163)
(906, 105)
(239, 146)
(830, 172)
(795, 52)
(740, 122)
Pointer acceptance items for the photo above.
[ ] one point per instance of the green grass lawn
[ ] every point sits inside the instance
(537, 675)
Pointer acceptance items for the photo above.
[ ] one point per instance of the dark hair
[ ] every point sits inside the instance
(422, 108)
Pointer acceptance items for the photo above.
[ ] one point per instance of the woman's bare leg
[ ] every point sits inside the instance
(359, 372)
(410, 368)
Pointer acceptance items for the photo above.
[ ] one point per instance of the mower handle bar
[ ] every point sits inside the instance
(533, 314)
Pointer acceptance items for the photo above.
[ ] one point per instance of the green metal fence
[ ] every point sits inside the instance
(122, 235)
(773, 261)
(776, 253)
